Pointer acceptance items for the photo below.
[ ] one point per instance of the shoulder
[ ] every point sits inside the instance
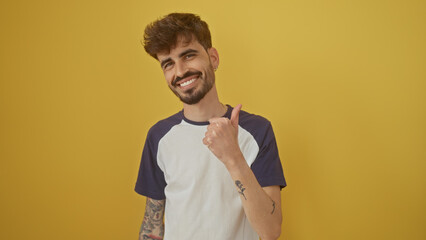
(252, 122)
(257, 126)
(158, 130)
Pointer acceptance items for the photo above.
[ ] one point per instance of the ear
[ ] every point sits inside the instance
(214, 57)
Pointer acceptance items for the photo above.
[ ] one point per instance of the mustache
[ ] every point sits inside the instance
(187, 74)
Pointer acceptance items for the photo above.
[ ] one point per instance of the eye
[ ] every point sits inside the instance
(189, 56)
(167, 65)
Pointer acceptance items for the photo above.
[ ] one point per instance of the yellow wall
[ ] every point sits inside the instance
(342, 81)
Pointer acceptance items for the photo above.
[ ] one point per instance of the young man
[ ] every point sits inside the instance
(212, 170)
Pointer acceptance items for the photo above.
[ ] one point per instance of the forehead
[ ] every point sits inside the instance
(182, 44)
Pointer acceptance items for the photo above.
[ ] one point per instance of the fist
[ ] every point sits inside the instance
(222, 136)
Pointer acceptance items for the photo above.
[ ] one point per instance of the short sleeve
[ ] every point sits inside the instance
(267, 166)
(150, 182)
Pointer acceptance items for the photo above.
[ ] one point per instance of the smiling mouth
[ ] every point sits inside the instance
(186, 83)
(188, 76)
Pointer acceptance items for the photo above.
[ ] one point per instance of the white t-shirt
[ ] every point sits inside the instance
(201, 199)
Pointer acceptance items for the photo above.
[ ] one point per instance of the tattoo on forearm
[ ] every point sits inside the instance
(241, 187)
(151, 237)
(273, 207)
(152, 225)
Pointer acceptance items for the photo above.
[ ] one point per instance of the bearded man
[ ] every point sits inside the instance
(210, 171)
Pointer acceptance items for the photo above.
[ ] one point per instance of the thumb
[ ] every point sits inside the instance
(235, 115)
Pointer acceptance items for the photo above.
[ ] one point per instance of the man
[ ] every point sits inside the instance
(212, 170)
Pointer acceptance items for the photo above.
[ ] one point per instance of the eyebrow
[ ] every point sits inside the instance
(180, 55)
(187, 51)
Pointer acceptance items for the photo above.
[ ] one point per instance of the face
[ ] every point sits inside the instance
(189, 70)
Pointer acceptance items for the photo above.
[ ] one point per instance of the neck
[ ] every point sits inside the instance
(209, 107)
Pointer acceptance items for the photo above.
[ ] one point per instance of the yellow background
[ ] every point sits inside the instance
(343, 83)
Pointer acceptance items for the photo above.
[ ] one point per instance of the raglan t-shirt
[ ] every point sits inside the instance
(201, 199)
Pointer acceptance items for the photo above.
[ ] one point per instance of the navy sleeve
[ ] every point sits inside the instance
(267, 165)
(150, 182)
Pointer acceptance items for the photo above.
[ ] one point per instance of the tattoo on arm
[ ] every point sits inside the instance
(241, 187)
(152, 225)
(273, 207)
(151, 237)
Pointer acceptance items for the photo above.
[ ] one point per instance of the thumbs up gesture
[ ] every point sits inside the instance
(222, 137)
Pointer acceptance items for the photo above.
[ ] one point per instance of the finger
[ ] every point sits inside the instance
(235, 115)
(213, 126)
(210, 134)
(210, 127)
(214, 120)
(205, 141)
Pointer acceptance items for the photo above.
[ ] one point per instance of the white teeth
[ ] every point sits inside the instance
(187, 82)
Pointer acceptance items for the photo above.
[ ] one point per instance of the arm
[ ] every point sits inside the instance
(262, 206)
(152, 224)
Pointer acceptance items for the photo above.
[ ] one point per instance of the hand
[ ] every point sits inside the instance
(222, 137)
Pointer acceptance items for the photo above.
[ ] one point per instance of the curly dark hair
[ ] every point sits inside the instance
(162, 35)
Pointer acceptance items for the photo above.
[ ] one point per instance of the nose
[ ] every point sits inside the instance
(180, 69)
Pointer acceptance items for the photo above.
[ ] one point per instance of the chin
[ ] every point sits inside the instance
(191, 101)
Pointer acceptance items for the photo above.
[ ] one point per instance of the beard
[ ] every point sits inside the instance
(192, 95)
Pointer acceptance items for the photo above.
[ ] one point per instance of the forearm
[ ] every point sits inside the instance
(152, 225)
(155, 234)
(261, 206)
(262, 211)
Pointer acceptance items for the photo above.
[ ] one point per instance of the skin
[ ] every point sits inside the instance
(262, 206)
(175, 65)
(152, 224)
